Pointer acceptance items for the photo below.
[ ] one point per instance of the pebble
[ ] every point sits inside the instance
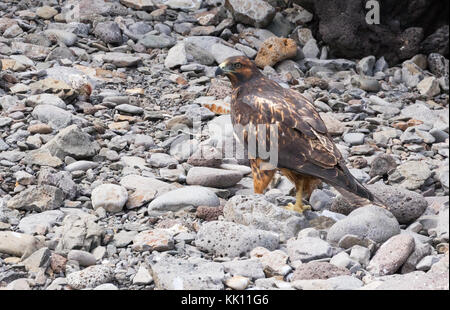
(318, 270)
(183, 197)
(90, 277)
(142, 276)
(227, 239)
(256, 212)
(308, 249)
(368, 222)
(110, 197)
(237, 282)
(391, 255)
(212, 177)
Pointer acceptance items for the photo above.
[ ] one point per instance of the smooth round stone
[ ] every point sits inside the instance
(369, 222)
(183, 197)
(110, 197)
(354, 138)
(128, 108)
(81, 165)
(82, 257)
(212, 177)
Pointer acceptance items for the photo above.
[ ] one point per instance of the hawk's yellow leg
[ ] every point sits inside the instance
(299, 206)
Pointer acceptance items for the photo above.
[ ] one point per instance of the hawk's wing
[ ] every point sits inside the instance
(304, 143)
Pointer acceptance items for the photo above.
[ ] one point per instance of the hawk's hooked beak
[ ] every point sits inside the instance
(221, 70)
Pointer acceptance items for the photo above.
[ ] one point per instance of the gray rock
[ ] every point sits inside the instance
(427, 262)
(124, 238)
(366, 66)
(320, 200)
(84, 258)
(442, 228)
(146, 5)
(71, 141)
(142, 276)
(173, 273)
(90, 277)
(335, 283)
(62, 180)
(158, 239)
(307, 249)
(48, 99)
(110, 197)
(420, 111)
(250, 268)
(257, 13)
(438, 65)
(233, 240)
(81, 165)
(343, 260)
(429, 87)
(414, 174)
(360, 254)
(37, 198)
(310, 49)
(157, 41)
(181, 4)
(354, 138)
(183, 197)
(381, 165)
(78, 231)
(19, 285)
(34, 222)
(17, 244)
(162, 160)
(318, 270)
(37, 261)
(65, 37)
(405, 205)
(391, 255)
(443, 175)
(212, 177)
(106, 287)
(121, 59)
(411, 74)
(415, 135)
(369, 222)
(109, 32)
(417, 280)
(221, 52)
(144, 184)
(130, 109)
(331, 64)
(206, 156)
(56, 117)
(257, 212)
(177, 56)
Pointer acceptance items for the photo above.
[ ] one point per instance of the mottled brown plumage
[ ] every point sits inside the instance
(307, 155)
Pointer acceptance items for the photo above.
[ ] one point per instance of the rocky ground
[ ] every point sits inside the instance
(108, 183)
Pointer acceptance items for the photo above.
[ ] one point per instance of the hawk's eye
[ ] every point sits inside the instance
(237, 65)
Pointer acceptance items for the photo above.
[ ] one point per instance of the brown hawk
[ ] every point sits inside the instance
(306, 153)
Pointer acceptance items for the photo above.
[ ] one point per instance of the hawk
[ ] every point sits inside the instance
(306, 153)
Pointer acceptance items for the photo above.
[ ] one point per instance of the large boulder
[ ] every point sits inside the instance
(369, 222)
(405, 29)
(257, 212)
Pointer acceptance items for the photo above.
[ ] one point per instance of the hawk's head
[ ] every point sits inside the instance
(238, 69)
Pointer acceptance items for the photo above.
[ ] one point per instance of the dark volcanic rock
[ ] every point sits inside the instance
(406, 28)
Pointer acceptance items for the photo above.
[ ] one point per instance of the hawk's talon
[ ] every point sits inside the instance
(297, 208)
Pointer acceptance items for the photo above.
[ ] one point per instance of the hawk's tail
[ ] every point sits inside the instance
(364, 196)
